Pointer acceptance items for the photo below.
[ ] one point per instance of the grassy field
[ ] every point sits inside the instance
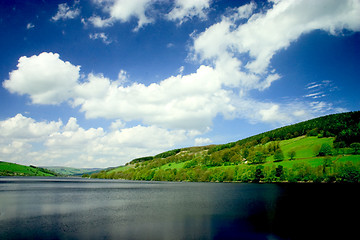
(305, 147)
(12, 169)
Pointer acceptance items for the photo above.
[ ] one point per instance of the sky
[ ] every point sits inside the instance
(98, 83)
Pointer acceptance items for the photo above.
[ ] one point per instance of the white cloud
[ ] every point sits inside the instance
(118, 124)
(320, 89)
(26, 141)
(315, 95)
(73, 136)
(21, 127)
(46, 78)
(242, 44)
(123, 11)
(30, 26)
(123, 76)
(182, 102)
(272, 114)
(170, 45)
(65, 12)
(202, 141)
(18, 135)
(102, 36)
(142, 10)
(187, 9)
(255, 42)
(99, 22)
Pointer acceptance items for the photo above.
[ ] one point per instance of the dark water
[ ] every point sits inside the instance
(55, 208)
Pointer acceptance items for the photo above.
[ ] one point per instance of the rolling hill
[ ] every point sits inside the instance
(13, 169)
(324, 149)
(69, 171)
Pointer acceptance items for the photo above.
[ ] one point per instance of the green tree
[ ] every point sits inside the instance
(259, 173)
(325, 150)
(265, 140)
(278, 156)
(327, 163)
(279, 172)
(356, 147)
(257, 157)
(348, 173)
(245, 153)
(292, 154)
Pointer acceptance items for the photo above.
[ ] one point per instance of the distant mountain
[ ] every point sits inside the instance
(69, 171)
(322, 149)
(13, 169)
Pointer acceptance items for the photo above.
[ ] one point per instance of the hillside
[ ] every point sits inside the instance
(322, 149)
(12, 169)
(69, 171)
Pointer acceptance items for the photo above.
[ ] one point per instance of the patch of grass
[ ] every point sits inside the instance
(174, 165)
(305, 147)
(316, 161)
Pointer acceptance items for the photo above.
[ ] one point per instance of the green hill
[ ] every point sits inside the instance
(69, 171)
(324, 149)
(12, 169)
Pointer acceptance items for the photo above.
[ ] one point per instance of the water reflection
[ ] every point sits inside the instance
(42, 208)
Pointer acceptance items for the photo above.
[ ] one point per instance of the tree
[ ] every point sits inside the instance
(292, 154)
(356, 147)
(325, 150)
(327, 163)
(278, 156)
(265, 140)
(257, 157)
(245, 153)
(259, 173)
(279, 172)
(348, 173)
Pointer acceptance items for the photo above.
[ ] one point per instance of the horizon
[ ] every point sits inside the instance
(93, 84)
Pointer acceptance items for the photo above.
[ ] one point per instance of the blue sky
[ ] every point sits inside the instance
(98, 83)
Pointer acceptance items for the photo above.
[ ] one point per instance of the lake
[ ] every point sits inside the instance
(74, 208)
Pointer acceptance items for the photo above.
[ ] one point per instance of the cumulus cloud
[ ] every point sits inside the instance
(142, 10)
(19, 133)
(123, 11)
(44, 77)
(183, 102)
(65, 12)
(72, 145)
(256, 41)
(180, 102)
(187, 9)
(21, 127)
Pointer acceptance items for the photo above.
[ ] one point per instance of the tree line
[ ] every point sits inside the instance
(329, 171)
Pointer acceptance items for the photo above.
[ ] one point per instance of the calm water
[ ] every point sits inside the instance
(72, 208)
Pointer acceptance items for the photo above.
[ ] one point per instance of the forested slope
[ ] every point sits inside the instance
(321, 149)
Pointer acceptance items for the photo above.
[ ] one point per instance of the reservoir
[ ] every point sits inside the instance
(75, 208)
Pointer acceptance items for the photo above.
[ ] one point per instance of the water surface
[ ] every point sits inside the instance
(74, 208)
